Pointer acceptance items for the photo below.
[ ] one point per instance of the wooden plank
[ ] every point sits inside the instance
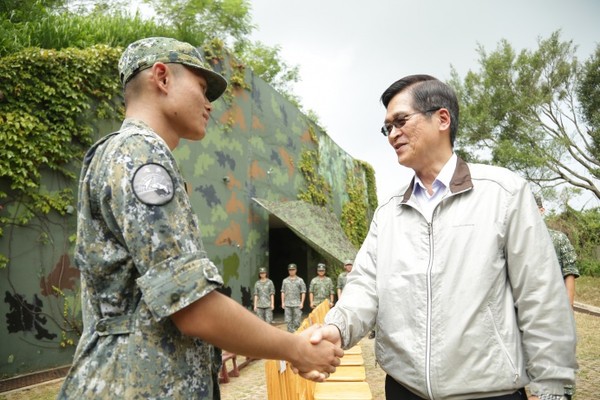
(342, 391)
(352, 359)
(354, 350)
(348, 373)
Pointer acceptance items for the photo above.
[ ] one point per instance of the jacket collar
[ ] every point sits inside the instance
(461, 180)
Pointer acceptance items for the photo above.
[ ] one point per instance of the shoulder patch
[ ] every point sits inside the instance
(153, 185)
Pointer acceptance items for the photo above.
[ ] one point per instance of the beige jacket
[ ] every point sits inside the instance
(470, 305)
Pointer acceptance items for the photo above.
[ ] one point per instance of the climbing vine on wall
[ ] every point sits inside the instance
(355, 212)
(45, 95)
(317, 191)
(371, 185)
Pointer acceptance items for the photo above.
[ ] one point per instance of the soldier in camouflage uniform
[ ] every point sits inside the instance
(264, 296)
(149, 304)
(293, 293)
(343, 276)
(565, 253)
(321, 287)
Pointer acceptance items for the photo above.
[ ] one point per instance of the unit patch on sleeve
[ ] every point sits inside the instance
(153, 185)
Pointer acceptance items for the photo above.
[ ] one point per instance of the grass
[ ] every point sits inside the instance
(587, 290)
(588, 356)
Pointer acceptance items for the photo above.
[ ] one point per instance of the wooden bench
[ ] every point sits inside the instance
(342, 391)
(348, 373)
(224, 374)
(352, 359)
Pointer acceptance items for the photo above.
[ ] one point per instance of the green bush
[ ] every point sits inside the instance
(582, 228)
(46, 97)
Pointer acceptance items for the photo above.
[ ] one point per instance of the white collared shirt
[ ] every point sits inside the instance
(427, 202)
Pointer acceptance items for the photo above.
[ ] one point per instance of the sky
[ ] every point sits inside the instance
(348, 52)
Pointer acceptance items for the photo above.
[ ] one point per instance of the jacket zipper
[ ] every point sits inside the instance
(429, 300)
(502, 346)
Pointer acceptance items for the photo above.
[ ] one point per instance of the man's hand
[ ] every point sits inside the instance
(316, 359)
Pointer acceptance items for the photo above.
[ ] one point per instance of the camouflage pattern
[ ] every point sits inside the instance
(139, 264)
(321, 288)
(263, 290)
(293, 289)
(341, 280)
(144, 53)
(293, 318)
(316, 225)
(565, 253)
(256, 139)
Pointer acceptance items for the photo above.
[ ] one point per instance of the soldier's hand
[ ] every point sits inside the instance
(316, 360)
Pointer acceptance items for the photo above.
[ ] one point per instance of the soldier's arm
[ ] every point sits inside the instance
(224, 323)
(570, 285)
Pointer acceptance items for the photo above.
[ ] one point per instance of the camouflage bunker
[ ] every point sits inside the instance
(269, 186)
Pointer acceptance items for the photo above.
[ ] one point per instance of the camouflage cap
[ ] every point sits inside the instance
(142, 55)
(262, 270)
(292, 266)
(320, 267)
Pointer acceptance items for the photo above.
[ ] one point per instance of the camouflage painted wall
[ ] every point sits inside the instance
(252, 149)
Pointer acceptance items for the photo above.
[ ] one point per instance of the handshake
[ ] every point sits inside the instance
(317, 353)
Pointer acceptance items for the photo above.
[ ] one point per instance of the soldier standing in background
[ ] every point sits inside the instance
(264, 296)
(565, 252)
(343, 276)
(321, 287)
(293, 293)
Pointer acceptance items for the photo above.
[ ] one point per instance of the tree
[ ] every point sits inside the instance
(522, 111)
(59, 24)
(588, 92)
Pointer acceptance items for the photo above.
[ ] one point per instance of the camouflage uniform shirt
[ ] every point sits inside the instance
(293, 289)
(341, 280)
(565, 253)
(141, 259)
(321, 289)
(264, 291)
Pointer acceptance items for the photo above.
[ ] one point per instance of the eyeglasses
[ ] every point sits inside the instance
(400, 122)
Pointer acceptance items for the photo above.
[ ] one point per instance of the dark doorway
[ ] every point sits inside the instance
(286, 247)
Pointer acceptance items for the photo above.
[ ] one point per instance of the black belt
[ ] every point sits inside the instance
(395, 391)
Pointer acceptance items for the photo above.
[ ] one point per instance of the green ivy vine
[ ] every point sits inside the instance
(317, 191)
(45, 97)
(371, 184)
(355, 216)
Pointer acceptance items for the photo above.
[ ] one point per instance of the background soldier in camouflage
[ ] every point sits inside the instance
(293, 293)
(321, 287)
(264, 296)
(566, 255)
(151, 314)
(343, 276)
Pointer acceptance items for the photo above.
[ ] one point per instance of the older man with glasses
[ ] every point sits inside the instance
(455, 272)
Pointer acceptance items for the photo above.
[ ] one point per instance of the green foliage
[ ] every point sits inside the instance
(45, 98)
(318, 191)
(355, 216)
(227, 20)
(519, 111)
(371, 185)
(266, 62)
(582, 229)
(58, 31)
(588, 93)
